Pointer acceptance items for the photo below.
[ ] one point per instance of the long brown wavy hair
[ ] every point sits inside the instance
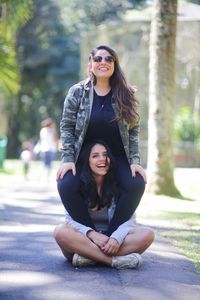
(88, 186)
(124, 95)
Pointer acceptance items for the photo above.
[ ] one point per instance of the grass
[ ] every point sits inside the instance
(11, 167)
(6, 172)
(176, 219)
(188, 241)
(182, 229)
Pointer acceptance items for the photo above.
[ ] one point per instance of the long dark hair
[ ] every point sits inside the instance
(124, 94)
(88, 186)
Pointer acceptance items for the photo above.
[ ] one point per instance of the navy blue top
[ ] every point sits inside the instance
(102, 124)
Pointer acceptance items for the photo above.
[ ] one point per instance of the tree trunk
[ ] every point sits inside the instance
(14, 128)
(162, 94)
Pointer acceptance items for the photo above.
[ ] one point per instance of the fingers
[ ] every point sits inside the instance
(141, 171)
(64, 169)
(73, 170)
(98, 238)
(58, 174)
(138, 169)
(133, 171)
(101, 244)
(111, 247)
(61, 172)
(144, 177)
(110, 251)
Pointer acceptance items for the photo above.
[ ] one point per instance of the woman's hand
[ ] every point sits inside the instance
(98, 238)
(140, 170)
(64, 168)
(111, 247)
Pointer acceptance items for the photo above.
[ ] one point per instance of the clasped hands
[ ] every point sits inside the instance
(108, 245)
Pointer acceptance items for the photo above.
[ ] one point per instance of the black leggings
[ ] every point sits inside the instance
(131, 190)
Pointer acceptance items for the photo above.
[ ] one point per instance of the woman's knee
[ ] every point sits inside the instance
(58, 231)
(63, 233)
(147, 236)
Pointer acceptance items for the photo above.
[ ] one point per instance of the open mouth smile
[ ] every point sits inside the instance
(103, 69)
(101, 166)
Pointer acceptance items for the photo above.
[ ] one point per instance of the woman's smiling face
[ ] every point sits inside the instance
(103, 68)
(99, 161)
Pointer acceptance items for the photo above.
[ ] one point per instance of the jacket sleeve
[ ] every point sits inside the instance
(134, 155)
(124, 229)
(81, 228)
(68, 124)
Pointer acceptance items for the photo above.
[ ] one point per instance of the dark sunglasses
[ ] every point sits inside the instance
(109, 59)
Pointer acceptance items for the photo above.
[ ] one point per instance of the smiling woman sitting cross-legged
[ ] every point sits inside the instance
(87, 245)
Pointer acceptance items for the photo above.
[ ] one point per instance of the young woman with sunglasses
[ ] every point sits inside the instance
(83, 245)
(101, 107)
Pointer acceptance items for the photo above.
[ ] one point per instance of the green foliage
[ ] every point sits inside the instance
(94, 13)
(13, 14)
(84, 15)
(17, 13)
(187, 125)
(9, 76)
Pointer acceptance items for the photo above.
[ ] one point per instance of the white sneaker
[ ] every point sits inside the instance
(80, 261)
(130, 261)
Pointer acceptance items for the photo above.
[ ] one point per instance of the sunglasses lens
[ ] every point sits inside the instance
(97, 58)
(108, 59)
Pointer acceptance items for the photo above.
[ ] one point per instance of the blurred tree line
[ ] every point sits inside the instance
(44, 56)
(40, 56)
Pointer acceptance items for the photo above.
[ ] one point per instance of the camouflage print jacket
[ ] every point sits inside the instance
(75, 120)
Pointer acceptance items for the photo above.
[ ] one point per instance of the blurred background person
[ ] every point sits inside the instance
(48, 143)
(26, 157)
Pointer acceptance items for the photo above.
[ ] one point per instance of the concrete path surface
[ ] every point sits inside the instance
(32, 267)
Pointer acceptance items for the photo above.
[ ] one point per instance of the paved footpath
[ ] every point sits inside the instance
(32, 267)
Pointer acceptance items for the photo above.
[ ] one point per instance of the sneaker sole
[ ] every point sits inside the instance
(85, 261)
(139, 261)
(74, 259)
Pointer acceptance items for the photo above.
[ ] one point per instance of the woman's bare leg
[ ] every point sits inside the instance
(137, 241)
(71, 241)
